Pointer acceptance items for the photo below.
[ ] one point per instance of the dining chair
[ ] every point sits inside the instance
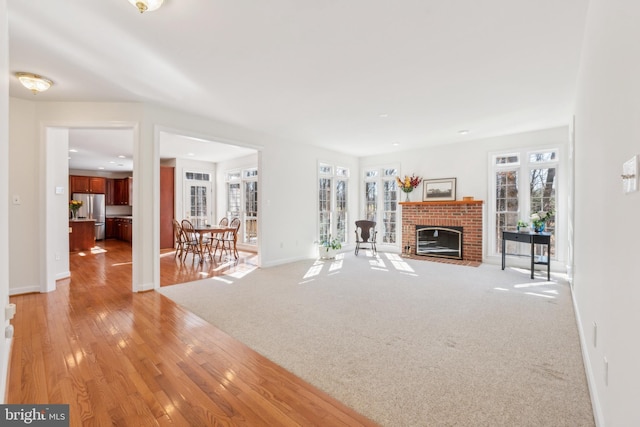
(229, 239)
(216, 238)
(191, 240)
(178, 238)
(366, 235)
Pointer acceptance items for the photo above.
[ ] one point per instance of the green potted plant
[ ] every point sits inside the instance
(329, 248)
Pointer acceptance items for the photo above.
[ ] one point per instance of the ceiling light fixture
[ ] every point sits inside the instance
(146, 5)
(34, 82)
(463, 132)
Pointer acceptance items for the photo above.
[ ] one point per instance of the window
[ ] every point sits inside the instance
(523, 183)
(333, 211)
(242, 202)
(382, 208)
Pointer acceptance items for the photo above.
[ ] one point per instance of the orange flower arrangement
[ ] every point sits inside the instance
(409, 183)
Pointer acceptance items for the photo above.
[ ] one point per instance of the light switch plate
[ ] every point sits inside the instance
(630, 175)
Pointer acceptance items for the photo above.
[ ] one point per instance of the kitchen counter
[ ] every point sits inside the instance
(82, 220)
(120, 216)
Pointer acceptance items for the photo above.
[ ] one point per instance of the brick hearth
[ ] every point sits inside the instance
(465, 213)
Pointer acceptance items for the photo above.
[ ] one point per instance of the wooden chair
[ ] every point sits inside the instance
(366, 235)
(178, 238)
(216, 238)
(191, 240)
(229, 239)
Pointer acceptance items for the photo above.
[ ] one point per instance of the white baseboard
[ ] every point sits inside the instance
(63, 275)
(144, 287)
(595, 402)
(24, 290)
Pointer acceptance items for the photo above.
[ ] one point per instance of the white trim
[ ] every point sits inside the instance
(591, 381)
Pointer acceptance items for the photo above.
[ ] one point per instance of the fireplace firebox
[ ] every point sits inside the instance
(439, 241)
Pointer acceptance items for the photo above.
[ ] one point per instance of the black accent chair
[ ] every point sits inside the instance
(366, 235)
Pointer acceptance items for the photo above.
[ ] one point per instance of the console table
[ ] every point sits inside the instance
(533, 239)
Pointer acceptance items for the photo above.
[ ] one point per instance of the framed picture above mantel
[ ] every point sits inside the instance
(436, 190)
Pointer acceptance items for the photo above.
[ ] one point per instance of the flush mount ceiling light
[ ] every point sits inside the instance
(146, 5)
(34, 82)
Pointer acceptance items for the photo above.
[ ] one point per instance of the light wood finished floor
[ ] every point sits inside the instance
(137, 359)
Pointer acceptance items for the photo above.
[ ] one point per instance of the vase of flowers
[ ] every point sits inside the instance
(539, 220)
(408, 184)
(74, 205)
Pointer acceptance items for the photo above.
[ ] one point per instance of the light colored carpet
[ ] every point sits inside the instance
(410, 342)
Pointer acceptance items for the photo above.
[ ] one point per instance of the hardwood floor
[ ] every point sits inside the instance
(137, 359)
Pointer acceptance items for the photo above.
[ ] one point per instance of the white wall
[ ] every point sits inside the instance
(5, 344)
(56, 242)
(468, 162)
(24, 182)
(606, 285)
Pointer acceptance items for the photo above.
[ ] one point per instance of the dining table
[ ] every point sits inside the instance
(208, 229)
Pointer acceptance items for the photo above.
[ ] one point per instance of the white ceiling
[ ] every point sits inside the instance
(361, 77)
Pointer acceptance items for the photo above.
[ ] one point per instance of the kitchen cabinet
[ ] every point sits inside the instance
(109, 228)
(127, 229)
(86, 184)
(82, 235)
(109, 192)
(122, 191)
(122, 229)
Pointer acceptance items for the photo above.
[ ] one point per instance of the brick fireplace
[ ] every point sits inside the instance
(461, 214)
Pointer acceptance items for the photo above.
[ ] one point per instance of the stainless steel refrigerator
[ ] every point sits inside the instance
(93, 207)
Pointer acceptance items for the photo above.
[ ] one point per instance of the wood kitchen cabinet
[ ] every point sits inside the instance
(109, 232)
(109, 192)
(127, 229)
(122, 229)
(82, 235)
(86, 184)
(122, 191)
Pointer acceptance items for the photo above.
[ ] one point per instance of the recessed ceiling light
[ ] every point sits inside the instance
(112, 162)
(100, 167)
(73, 150)
(120, 164)
(383, 115)
(190, 154)
(122, 157)
(463, 131)
(395, 144)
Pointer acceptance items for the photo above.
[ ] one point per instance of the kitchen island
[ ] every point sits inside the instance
(82, 234)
